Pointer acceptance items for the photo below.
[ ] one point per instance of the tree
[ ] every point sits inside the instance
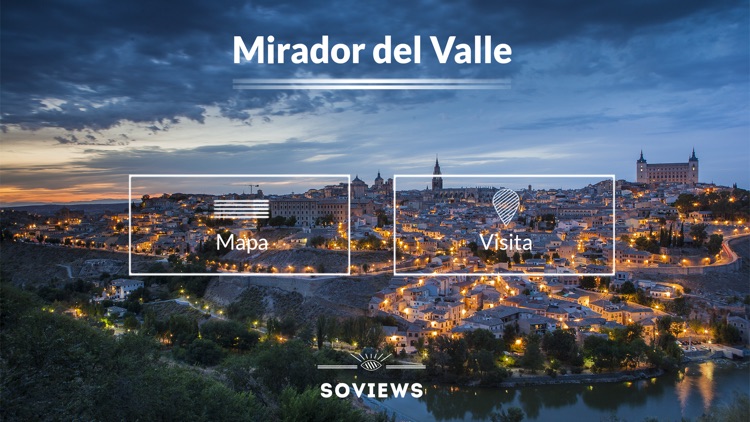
(604, 282)
(514, 414)
(510, 333)
(383, 219)
(481, 339)
(483, 361)
(714, 244)
(306, 334)
(724, 333)
(326, 220)
(45, 351)
(642, 298)
(363, 330)
(420, 345)
(316, 241)
(685, 201)
(532, 358)
(630, 333)
(680, 306)
(321, 330)
(272, 327)
(588, 282)
(698, 233)
(634, 353)
(560, 344)
(627, 288)
(668, 325)
(229, 334)
(696, 325)
(647, 243)
(288, 326)
(182, 330)
(602, 351)
(309, 406)
(290, 364)
(204, 352)
(448, 354)
(680, 241)
(130, 322)
(665, 236)
(669, 353)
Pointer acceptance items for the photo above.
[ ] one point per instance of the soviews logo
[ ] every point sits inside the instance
(371, 362)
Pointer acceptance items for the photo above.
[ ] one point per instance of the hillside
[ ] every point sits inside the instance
(302, 298)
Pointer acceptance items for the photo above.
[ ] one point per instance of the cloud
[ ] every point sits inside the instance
(108, 64)
(117, 91)
(321, 157)
(88, 140)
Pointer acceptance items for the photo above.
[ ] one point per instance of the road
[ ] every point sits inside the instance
(67, 267)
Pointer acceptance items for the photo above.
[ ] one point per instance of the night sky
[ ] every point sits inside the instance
(94, 91)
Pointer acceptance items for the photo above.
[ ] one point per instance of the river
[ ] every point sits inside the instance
(668, 398)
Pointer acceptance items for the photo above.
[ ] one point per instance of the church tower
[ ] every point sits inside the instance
(437, 182)
(378, 181)
(358, 188)
(641, 170)
(693, 168)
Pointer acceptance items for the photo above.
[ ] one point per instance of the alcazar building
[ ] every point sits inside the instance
(667, 172)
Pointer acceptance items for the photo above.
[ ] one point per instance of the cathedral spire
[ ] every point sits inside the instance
(437, 182)
(641, 160)
(693, 157)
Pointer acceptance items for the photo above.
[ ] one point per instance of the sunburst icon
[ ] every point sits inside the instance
(370, 361)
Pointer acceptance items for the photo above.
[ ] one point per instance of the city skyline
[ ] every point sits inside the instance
(229, 185)
(276, 185)
(588, 95)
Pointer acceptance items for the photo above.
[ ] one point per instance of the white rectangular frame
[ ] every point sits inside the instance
(507, 176)
(348, 178)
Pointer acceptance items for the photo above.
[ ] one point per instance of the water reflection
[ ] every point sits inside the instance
(533, 399)
(706, 384)
(610, 397)
(446, 403)
(463, 403)
(700, 379)
(670, 397)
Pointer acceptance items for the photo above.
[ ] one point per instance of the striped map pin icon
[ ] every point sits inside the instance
(506, 204)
